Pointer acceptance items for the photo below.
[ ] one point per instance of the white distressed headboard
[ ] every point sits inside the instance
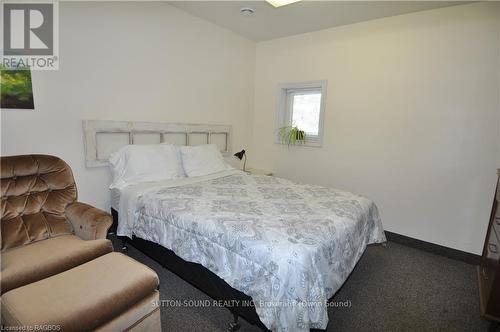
(104, 137)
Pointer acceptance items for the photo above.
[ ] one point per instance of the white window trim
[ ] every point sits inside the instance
(283, 116)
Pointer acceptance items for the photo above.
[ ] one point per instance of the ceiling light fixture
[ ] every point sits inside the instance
(247, 11)
(279, 3)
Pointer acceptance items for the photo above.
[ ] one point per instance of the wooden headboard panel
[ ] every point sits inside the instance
(104, 137)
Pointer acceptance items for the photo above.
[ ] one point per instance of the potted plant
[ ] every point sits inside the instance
(292, 135)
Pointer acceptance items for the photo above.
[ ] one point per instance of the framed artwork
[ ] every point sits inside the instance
(16, 91)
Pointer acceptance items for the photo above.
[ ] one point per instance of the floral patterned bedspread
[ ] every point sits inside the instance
(289, 246)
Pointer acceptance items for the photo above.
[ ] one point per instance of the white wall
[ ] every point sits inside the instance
(136, 62)
(411, 118)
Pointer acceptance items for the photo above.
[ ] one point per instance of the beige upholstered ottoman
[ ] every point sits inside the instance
(110, 293)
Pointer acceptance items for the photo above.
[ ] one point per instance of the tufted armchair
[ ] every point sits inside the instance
(44, 230)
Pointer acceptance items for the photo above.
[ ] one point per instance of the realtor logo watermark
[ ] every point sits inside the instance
(30, 35)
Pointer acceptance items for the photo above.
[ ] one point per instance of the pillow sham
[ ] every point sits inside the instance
(202, 160)
(134, 164)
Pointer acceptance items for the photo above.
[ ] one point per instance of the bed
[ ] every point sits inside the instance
(274, 251)
(289, 247)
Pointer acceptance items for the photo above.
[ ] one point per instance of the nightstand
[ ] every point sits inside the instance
(256, 171)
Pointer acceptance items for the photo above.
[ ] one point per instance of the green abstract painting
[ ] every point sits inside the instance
(16, 91)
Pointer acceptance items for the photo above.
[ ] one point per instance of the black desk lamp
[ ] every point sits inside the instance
(240, 156)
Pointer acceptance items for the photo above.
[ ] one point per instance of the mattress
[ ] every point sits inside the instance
(115, 198)
(288, 246)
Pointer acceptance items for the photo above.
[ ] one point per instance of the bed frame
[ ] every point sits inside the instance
(198, 276)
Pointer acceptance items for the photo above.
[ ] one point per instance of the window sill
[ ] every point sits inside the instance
(306, 144)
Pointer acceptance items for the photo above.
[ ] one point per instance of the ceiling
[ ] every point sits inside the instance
(305, 16)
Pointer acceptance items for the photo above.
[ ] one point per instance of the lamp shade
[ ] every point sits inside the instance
(240, 154)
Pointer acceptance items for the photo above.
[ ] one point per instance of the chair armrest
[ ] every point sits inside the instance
(88, 222)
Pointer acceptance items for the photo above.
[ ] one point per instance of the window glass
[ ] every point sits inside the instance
(306, 111)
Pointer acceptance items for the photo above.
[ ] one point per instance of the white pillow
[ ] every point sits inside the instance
(179, 159)
(142, 163)
(202, 160)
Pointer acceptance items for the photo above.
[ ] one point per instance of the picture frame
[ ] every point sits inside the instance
(16, 89)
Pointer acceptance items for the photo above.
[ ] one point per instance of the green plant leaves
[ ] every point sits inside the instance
(291, 135)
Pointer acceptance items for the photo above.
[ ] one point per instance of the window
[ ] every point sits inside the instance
(303, 105)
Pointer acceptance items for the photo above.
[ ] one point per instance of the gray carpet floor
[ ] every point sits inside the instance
(393, 288)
